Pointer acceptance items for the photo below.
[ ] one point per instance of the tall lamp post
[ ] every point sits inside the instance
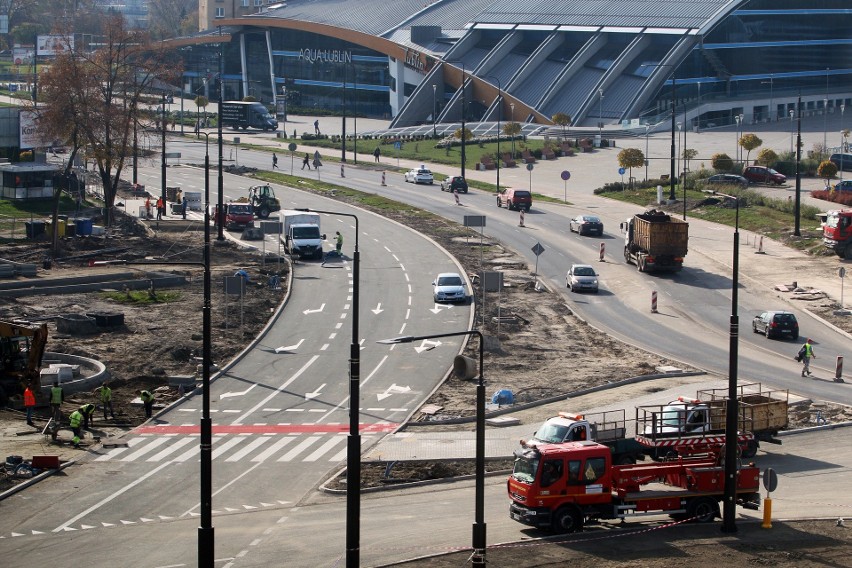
(737, 119)
(729, 506)
(825, 125)
(353, 441)
(797, 208)
(459, 364)
(343, 136)
(434, 110)
(221, 197)
(842, 132)
(163, 159)
(672, 166)
(600, 113)
(463, 128)
(512, 106)
(792, 114)
(499, 112)
(647, 130)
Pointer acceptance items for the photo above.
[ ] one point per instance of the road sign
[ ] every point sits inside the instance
(492, 281)
(770, 479)
(529, 167)
(538, 249)
(621, 171)
(474, 220)
(292, 146)
(565, 175)
(172, 154)
(841, 272)
(397, 145)
(272, 227)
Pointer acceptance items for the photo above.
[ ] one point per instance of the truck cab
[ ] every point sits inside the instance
(236, 216)
(837, 232)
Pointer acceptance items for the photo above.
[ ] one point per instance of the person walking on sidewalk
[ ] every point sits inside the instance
(274, 161)
(29, 403)
(306, 161)
(377, 153)
(106, 401)
(806, 353)
(316, 127)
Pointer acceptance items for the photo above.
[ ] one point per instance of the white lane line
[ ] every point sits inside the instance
(280, 389)
(332, 336)
(304, 444)
(109, 498)
(171, 449)
(324, 347)
(228, 445)
(262, 456)
(248, 449)
(157, 442)
(338, 325)
(322, 450)
(294, 410)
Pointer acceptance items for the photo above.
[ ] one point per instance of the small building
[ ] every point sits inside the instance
(27, 180)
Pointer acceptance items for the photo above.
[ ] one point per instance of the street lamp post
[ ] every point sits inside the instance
(738, 119)
(163, 159)
(512, 106)
(672, 165)
(463, 131)
(792, 114)
(343, 135)
(600, 113)
(842, 149)
(731, 443)
(647, 130)
(479, 527)
(825, 125)
(434, 109)
(221, 180)
(499, 111)
(353, 445)
(797, 208)
(680, 147)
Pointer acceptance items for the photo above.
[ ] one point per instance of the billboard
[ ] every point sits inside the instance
(30, 135)
(53, 44)
(22, 54)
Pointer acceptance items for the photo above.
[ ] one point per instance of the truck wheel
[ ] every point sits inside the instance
(751, 449)
(568, 520)
(702, 510)
(263, 213)
(847, 252)
(627, 256)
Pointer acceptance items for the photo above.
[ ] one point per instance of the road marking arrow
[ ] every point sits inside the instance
(439, 307)
(378, 309)
(393, 389)
(316, 393)
(240, 393)
(283, 349)
(314, 311)
(427, 345)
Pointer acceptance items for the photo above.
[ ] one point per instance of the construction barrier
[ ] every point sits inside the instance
(838, 369)
(654, 302)
(603, 250)
(343, 175)
(522, 218)
(383, 179)
(760, 247)
(456, 195)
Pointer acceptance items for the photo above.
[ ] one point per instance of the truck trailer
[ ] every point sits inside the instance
(655, 241)
(561, 487)
(244, 114)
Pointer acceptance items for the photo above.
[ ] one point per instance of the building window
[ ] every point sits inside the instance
(220, 12)
(258, 2)
(244, 3)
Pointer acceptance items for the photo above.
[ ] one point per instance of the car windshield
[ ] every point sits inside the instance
(584, 271)
(591, 220)
(784, 318)
(423, 172)
(449, 281)
(309, 232)
(522, 194)
(552, 433)
(672, 417)
(771, 171)
(524, 469)
(240, 209)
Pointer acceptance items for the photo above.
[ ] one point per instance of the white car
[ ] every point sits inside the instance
(419, 175)
(581, 278)
(449, 287)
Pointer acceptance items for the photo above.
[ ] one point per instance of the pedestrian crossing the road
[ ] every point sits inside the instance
(230, 448)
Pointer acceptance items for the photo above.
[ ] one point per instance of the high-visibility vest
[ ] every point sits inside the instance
(146, 396)
(87, 409)
(55, 395)
(106, 394)
(29, 397)
(75, 418)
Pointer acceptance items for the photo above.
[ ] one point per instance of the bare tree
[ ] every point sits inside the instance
(92, 99)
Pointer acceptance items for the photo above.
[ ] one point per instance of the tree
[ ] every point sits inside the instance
(827, 170)
(511, 129)
(749, 142)
(722, 162)
(467, 135)
(562, 120)
(631, 158)
(767, 157)
(92, 98)
(201, 102)
(688, 154)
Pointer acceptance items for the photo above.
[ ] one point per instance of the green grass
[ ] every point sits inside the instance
(143, 297)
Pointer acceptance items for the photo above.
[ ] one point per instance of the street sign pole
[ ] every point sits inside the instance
(565, 175)
(530, 169)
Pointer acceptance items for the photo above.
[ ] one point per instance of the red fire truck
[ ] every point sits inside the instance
(560, 487)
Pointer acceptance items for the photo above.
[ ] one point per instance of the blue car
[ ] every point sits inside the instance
(845, 185)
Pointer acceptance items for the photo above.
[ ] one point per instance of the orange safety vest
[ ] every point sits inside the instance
(29, 397)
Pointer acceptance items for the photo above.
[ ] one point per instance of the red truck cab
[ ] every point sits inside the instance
(837, 232)
(236, 216)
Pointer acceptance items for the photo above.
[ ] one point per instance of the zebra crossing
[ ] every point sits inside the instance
(233, 448)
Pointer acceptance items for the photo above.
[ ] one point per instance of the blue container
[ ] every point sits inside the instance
(84, 227)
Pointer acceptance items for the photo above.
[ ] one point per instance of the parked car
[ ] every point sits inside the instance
(582, 277)
(419, 175)
(449, 287)
(762, 174)
(586, 225)
(776, 324)
(842, 161)
(845, 185)
(454, 183)
(515, 199)
(727, 179)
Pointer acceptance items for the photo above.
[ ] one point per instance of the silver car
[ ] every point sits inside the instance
(419, 175)
(582, 278)
(449, 287)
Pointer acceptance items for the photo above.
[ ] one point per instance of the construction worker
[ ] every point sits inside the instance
(339, 244)
(88, 412)
(106, 400)
(76, 418)
(29, 404)
(57, 397)
(148, 402)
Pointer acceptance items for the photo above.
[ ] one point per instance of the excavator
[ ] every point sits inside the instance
(22, 347)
